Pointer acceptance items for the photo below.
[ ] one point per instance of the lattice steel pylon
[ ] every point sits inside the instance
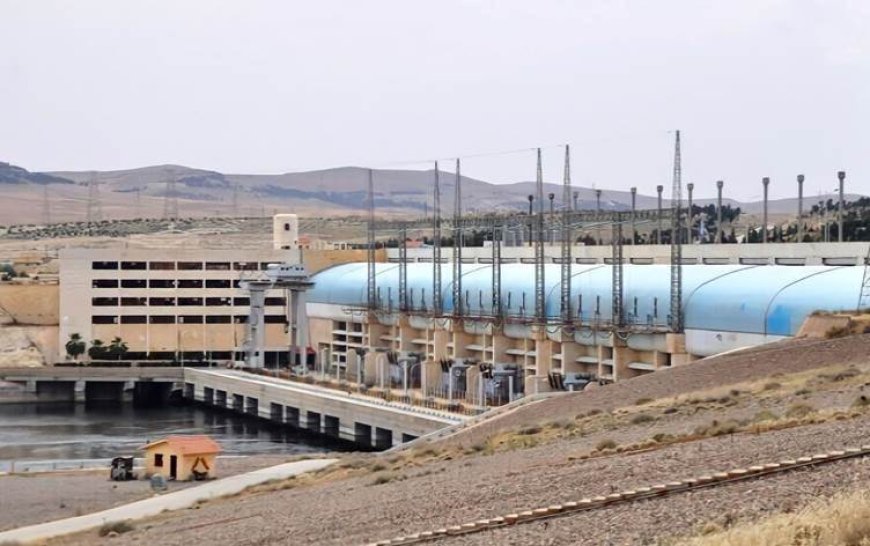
(618, 312)
(170, 199)
(95, 207)
(403, 269)
(496, 270)
(567, 240)
(457, 244)
(676, 243)
(540, 296)
(437, 301)
(371, 283)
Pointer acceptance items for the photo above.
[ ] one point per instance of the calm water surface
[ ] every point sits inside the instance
(71, 432)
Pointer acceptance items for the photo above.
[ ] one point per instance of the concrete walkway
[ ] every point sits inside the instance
(155, 505)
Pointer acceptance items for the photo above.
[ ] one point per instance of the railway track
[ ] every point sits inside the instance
(642, 493)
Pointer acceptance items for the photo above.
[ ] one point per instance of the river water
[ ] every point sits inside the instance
(73, 435)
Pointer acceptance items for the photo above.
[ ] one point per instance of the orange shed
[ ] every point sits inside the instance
(182, 457)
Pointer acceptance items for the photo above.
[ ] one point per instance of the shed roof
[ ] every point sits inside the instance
(189, 445)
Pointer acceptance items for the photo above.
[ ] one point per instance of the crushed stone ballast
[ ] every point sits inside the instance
(641, 493)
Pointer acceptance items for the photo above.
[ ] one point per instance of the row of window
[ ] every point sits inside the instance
(193, 301)
(165, 283)
(181, 266)
(182, 319)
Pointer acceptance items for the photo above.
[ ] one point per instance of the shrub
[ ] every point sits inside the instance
(642, 401)
(119, 527)
(377, 467)
(529, 431)
(765, 415)
(382, 479)
(861, 402)
(797, 411)
(607, 443)
(772, 386)
(641, 418)
(668, 411)
(802, 391)
(837, 331)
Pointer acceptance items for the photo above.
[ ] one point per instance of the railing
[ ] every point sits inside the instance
(391, 392)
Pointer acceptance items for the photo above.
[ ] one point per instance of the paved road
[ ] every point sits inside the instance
(155, 505)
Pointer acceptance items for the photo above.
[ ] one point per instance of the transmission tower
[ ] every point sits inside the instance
(458, 304)
(566, 239)
(95, 207)
(372, 296)
(496, 270)
(437, 303)
(540, 296)
(170, 199)
(46, 206)
(676, 244)
(403, 270)
(617, 313)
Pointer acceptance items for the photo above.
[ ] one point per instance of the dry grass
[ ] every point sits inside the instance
(841, 521)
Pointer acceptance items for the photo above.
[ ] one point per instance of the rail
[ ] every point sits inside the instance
(634, 495)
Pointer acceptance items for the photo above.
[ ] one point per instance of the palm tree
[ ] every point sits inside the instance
(117, 348)
(97, 351)
(75, 347)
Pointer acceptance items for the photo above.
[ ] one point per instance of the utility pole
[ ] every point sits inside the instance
(531, 212)
(690, 217)
(598, 211)
(552, 197)
(719, 185)
(800, 218)
(841, 176)
(633, 215)
(576, 195)
(457, 243)
(437, 303)
(567, 241)
(659, 190)
(764, 182)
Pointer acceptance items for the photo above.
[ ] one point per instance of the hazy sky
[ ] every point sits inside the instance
(758, 87)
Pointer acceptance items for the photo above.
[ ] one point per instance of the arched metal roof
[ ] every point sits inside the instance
(772, 300)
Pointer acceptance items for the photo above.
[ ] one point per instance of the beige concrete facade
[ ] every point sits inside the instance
(167, 301)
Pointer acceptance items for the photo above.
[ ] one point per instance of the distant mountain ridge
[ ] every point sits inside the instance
(337, 192)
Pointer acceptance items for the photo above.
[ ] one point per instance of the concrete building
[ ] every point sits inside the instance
(725, 307)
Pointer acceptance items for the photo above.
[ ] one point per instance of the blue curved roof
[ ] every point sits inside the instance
(772, 300)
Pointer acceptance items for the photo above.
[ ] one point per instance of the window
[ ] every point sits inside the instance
(161, 319)
(133, 319)
(218, 319)
(275, 301)
(189, 301)
(161, 266)
(189, 266)
(134, 265)
(218, 301)
(158, 460)
(286, 227)
(134, 302)
(275, 319)
(236, 283)
(104, 319)
(105, 283)
(190, 319)
(244, 266)
(189, 283)
(240, 319)
(161, 301)
(217, 266)
(217, 283)
(241, 301)
(104, 265)
(103, 302)
(161, 283)
(133, 283)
